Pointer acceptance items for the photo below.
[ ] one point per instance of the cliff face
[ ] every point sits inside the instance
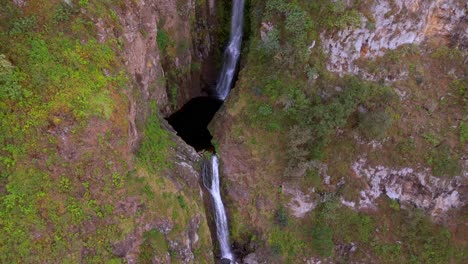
(93, 81)
(387, 25)
(352, 119)
(166, 50)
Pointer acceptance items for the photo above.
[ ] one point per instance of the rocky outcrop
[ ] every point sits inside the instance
(411, 186)
(393, 24)
(301, 203)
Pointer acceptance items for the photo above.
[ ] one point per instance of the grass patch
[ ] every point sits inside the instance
(443, 162)
(155, 149)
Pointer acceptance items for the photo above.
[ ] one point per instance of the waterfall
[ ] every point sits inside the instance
(211, 182)
(232, 52)
(211, 171)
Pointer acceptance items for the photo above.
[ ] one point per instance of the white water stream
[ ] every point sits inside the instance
(211, 182)
(232, 52)
(211, 171)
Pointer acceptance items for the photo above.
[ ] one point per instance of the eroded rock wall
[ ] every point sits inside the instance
(392, 24)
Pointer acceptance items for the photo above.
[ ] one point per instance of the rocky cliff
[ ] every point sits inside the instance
(348, 123)
(98, 175)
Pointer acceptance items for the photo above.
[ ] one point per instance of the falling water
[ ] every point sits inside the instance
(211, 171)
(211, 182)
(232, 53)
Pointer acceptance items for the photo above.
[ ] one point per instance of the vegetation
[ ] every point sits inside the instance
(305, 127)
(154, 152)
(68, 179)
(71, 190)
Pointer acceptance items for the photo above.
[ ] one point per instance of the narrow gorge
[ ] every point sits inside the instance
(191, 124)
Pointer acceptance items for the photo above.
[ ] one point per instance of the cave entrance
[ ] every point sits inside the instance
(191, 121)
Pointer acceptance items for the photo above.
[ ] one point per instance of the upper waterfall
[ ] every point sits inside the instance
(232, 52)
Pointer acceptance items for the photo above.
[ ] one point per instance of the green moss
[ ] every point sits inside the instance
(285, 243)
(154, 244)
(322, 240)
(163, 39)
(463, 131)
(443, 162)
(155, 149)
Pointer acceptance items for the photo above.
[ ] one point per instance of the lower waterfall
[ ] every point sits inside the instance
(211, 181)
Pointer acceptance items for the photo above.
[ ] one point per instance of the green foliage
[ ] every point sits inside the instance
(271, 45)
(322, 117)
(352, 226)
(312, 73)
(83, 3)
(65, 184)
(265, 110)
(281, 217)
(313, 178)
(335, 15)
(443, 162)
(62, 13)
(60, 75)
(155, 148)
(459, 87)
(23, 26)
(76, 211)
(292, 22)
(432, 139)
(117, 180)
(298, 22)
(389, 252)
(394, 204)
(333, 222)
(154, 244)
(173, 91)
(181, 201)
(9, 81)
(163, 39)
(463, 130)
(285, 243)
(423, 242)
(322, 242)
(374, 125)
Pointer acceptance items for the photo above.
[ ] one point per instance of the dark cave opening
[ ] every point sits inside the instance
(191, 121)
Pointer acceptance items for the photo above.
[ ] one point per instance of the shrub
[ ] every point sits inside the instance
(23, 25)
(285, 243)
(9, 81)
(281, 217)
(463, 128)
(62, 13)
(163, 39)
(265, 110)
(432, 139)
(425, 242)
(373, 125)
(271, 45)
(83, 3)
(443, 162)
(154, 243)
(181, 201)
(322, 241)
